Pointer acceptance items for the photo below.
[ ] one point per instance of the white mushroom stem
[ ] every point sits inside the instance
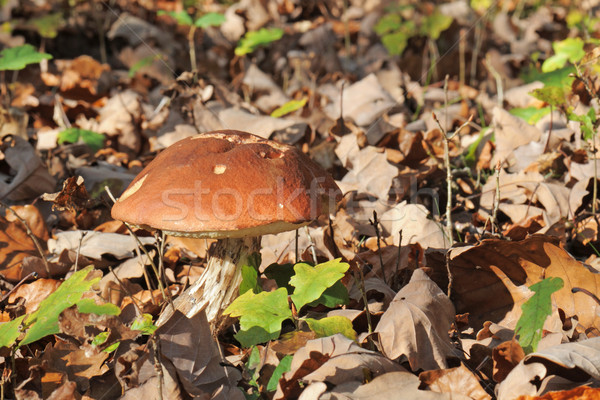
(219, 285)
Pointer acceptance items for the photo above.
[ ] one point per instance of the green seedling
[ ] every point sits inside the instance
(203, 22)
(395, 30)
(530, 114)
(43, 322)
(262, 314)
(535, 312)
(93, 139)
(254, 39)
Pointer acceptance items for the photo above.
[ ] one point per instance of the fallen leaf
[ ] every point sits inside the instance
(425, 341)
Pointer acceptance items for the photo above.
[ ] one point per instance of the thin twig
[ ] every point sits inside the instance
(375, 224)
(496, 198)
(312, 246)
(33, 275)
(30, 234)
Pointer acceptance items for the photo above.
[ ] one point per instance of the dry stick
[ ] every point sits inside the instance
(30, 275)
(133, 300)
(165, 293)
(296, 245)
(496, 198)
(447, 139)
(399, 249)
(313, 252)
(375, 224)
(498, 79)
(158, 366)
(361, 286)
(462, 48)
(31, 235)
(83, 233)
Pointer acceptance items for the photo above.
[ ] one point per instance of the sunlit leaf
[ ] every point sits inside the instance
(535, 311)
(330, 326)
(17, 58)
(210, 19)
(94, 140)
(289, 107)
(310, 282)
(254, 39)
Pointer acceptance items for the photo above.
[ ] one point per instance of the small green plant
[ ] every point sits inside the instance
(252, 367)
(535, 312)
(255, 39)
(202, 22)
(93, 139)
(29, 328)
(262, 313)
(17, 58)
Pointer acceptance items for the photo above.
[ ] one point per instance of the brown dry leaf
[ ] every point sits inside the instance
(511, 132)
(392, 385)
(17, 245)
(93, 244)
(370, 173)
(424, 341)
(579, 393)
(82, 78)
(189, 345)
(416, 227)
(334, 360)
(73, 195)
(364, 102)
(521, 192)
(28, 176)
(290, 342)
(556, 368)
(66, 391)
(454, 380)
(119, 117)
(34, 293)
(506, 356)
(136, 371)
(491, 280)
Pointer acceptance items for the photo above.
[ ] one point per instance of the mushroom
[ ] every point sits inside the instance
(231, 186)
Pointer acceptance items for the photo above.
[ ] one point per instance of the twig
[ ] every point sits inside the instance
(33, 275)
(450, 279)
(496, 198)
(158, 366)
(375, 224)
(83, 233)
(30, 234)
(361, 286)
(125, 289)
(447, 139)
(312, 246)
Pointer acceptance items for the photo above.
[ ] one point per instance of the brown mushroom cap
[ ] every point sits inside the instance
(227, 184)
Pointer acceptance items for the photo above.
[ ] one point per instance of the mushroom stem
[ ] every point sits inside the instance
(219, 285)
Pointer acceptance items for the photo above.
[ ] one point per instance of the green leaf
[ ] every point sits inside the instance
(434, 24)
(553, 95)
(89, 306)
(251, 366)
(470, 156)
(94, 140)
(10, 331)
(254, 39)
(396, 42)
(210, 19)
(535, 311)
(289, 107)
(560, 77)
(388, 23)
(587, 122)
(48, 25)
(570, 49)
(281, 274)
(283, 367)
(310, 282)
(100, 338)
(143, 323)
(44, 321)
(182, 17)
(17, 58)
(261, 315)
(530, 114)
(112, 347)
(249, 280)
(333, 296)
(329, 326)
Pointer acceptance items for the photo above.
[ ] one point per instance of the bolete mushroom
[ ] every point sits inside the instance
(231, 186)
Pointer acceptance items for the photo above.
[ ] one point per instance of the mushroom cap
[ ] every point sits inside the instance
(227, 184)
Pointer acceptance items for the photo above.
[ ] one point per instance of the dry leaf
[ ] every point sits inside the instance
(455, 380)
(424, 341)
